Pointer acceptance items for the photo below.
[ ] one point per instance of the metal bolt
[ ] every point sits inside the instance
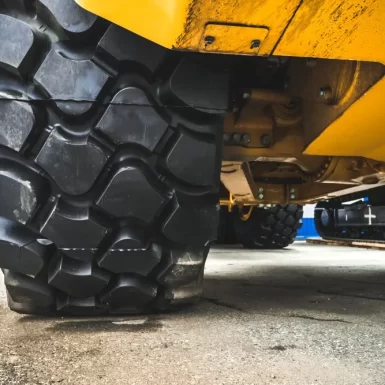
(226, 137)
(260, 196)
(245, 139)
(246, 95)
(260, 189)
(237, 138)
(292, 196)
(325, 93)
(265, 140)
(209, 40)
(255, 44)
(292, 190)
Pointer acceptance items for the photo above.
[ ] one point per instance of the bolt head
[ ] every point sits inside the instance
(325, 93)
(209, 40)
(292, 190)
(255, 44)
(292, 196)
(237, 138)
(265, 140)
(260, 196)
(260, 189)
(246, 139)
(226, 137)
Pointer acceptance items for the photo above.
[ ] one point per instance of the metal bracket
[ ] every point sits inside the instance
(223, 38)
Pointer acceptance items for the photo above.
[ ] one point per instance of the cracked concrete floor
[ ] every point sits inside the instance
(308, 315)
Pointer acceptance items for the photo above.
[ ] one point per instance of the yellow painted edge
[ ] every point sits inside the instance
(362, 125)
(170, 17)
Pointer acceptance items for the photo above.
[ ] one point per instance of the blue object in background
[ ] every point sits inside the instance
(308, 228)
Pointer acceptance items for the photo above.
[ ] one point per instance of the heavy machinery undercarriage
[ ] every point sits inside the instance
(124, 125)
(264, 163)
(264, 138)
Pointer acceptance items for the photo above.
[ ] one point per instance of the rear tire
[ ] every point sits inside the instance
(110, 152)
(269, 228)
(226, 235)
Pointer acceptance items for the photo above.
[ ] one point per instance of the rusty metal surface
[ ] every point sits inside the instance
(348, 82)
(181, 24)
(271, 14)
(245, 40)
(236, 177)
(336, 176)
(336, 29)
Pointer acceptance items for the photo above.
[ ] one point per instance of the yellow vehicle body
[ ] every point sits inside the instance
(347, 36)
(181, 24)
(343, 30)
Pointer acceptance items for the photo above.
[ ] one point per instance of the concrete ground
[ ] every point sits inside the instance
(308, 315)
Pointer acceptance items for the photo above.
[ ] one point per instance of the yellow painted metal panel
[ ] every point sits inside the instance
(336, 29)
(161, 21)
(233, 38)
(360, 131)
(180, 24)
(272, 14)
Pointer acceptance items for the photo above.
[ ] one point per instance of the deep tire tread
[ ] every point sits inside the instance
(74, 164)
(269, 228)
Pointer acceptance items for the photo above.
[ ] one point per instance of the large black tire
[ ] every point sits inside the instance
(269, 228)
(226, 235)
(110, 151)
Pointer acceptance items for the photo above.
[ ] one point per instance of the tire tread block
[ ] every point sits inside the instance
(124, 45)
(21, 250)
(140, 261)
(193, 161)
(182, 267)
(78, 86)
(18, 196)
(74, 164)
(77, 278)
(129, 194)
(131, 118)
(26, 290)
(77, 306)
(70, 16)
(190, 225)
(197, 86)
(22, 259)
(16, 123)
(78, 232)
(80, 254)
(132, 290)
(17, 40)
